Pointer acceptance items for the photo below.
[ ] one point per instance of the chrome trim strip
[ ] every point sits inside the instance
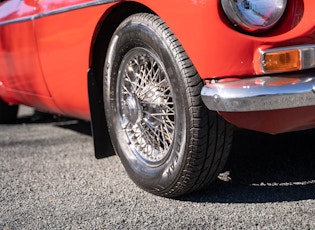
(22, 19)
(261, 93)
(307, 54)
(58, 11)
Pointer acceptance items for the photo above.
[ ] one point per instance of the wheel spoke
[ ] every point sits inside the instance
(159, 134)
(164, 105)
(161, 94)
(169, 124)
(151, 87)
(152, 142)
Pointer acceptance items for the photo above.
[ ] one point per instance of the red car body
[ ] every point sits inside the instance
(48, 47)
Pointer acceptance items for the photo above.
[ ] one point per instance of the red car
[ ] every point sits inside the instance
(166, 79)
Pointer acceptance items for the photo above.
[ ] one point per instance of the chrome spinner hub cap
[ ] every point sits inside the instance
(132, 110)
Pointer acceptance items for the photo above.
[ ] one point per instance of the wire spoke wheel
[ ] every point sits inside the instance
(146, 106)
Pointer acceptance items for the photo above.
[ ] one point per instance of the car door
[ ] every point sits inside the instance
(20, 72)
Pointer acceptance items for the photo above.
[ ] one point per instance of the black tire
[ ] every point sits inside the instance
(8, 113)
(167, 140)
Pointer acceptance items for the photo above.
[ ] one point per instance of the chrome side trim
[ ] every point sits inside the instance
(261, 93)
(58, 11)
(22, 19)
(307, 55)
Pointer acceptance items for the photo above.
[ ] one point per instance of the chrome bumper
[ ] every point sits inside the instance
(260, 93)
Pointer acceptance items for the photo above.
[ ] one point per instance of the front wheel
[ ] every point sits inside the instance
(167, 140)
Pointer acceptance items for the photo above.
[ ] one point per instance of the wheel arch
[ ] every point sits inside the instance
(100, 42)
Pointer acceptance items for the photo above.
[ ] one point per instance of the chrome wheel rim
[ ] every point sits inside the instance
(145, 106)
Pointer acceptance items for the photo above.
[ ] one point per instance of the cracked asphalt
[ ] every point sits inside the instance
(51, 180)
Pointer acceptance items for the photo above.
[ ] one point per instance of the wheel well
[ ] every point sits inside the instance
(104, 31)
(107, 27)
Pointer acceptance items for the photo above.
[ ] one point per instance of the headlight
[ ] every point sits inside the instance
(254, 15)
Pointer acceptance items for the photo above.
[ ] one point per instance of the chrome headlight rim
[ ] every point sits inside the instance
(239, 20)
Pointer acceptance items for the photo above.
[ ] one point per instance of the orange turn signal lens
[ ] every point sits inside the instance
(282, 61)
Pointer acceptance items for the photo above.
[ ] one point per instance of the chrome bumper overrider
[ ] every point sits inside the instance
(260, 93)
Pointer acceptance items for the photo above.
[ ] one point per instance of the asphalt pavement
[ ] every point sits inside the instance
(51, 180)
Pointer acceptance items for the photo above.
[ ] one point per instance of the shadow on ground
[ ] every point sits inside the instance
(261, 168)
(265, 168)
(79, 126)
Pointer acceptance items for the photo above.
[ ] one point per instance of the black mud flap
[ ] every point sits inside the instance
(102, 143)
